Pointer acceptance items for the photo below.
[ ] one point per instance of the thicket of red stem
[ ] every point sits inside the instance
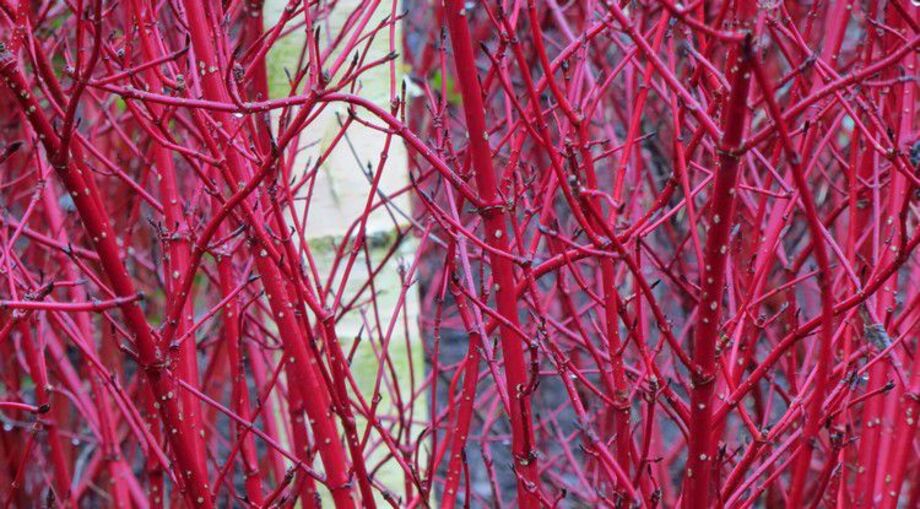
(665, 255)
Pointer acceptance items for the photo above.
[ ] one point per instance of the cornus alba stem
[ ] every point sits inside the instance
(494, 222)
(715, 259)
(476, 254)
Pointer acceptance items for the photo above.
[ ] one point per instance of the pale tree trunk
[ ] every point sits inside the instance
(339, 196)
